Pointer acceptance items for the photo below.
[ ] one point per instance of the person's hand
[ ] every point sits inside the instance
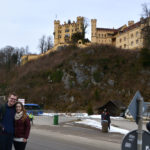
(1, 128)
(24, 140)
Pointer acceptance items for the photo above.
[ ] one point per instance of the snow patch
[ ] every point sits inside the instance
(96, 124)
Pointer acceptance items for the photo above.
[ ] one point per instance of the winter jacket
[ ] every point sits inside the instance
(106, 116)
(22, 128)
(7, 118)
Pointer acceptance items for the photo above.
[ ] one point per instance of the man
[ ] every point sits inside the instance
(7, 113)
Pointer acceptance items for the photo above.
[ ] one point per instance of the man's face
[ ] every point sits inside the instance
(12, 100)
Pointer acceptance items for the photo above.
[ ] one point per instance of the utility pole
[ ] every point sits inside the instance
(140, 118)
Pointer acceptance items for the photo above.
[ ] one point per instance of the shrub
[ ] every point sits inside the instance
(90, 110)
(56, 76)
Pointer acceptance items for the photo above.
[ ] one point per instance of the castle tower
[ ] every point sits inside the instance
(63, 32)
(56, 27)
(80, 22)
(93, 30)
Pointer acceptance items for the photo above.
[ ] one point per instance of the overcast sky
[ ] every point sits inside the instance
(23, 22)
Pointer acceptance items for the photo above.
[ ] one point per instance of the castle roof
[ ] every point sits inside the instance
(106, 29)
(123, 29)
(135, 25)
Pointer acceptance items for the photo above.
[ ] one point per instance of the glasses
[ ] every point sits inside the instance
(13, 99)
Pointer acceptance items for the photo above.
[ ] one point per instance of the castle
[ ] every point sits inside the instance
(64, 32)
(126, 37)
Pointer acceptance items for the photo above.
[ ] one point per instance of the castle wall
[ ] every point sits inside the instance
(130, 39)
(126, 37)
(104, 37)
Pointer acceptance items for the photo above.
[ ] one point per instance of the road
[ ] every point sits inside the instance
(60, 140)
(70, 136)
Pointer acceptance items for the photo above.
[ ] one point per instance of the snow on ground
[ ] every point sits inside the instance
(87, 120)
(97, 124)
(79, 115)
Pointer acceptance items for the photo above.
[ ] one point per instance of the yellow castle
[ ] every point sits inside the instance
(126, 37)
(64, 32)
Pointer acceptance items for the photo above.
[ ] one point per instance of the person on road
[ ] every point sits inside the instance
(7, 113)
(22, 127)
(31, 117)
(106, 116)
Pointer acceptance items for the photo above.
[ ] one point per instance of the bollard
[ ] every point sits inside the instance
(104, 126)
(55, 120)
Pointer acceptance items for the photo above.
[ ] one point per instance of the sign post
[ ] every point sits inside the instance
(130, 141)
(136, 110)
(140, 132)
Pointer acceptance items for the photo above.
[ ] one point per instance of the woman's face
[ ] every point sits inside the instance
(18, 108)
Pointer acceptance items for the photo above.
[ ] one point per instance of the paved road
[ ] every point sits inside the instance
(60, 140)
(70, 136)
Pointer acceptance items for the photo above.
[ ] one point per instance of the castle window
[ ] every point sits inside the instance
(137, 33)
(132, 43)
(137, 41)
(124, 38)
(132, 35)
(120, 40)
(67, 35)
(67, 30)
(124, 45)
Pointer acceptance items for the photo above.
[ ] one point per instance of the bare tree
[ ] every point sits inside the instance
(49, 43)
(146, 28)
(85, 25)
(45, 44)
(145, 32)
(42, 44)
(11, 56)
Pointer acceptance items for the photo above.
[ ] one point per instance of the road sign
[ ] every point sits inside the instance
(21, 100)
(133, 105)
(130, 141)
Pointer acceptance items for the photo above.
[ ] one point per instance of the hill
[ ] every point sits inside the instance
(71, 78)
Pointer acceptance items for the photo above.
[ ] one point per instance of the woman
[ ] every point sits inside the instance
(22, 127)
